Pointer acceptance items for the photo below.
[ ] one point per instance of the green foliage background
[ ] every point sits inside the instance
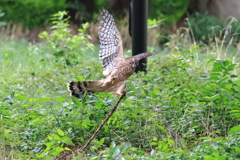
(31, 13)
(165, 115)
(204, 27)
(171, 10)
(36, 13)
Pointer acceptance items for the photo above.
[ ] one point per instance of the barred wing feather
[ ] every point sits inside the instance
(110, 43)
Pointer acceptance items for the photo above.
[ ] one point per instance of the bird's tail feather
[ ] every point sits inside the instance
(79, 88)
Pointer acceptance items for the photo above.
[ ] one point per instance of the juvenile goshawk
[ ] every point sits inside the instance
(117, 69)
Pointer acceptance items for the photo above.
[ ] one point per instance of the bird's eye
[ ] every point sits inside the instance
(133, 65)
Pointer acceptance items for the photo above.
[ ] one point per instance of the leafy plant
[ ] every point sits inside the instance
(115, 151)
(154, 23)
(54, 145)
(65, 45)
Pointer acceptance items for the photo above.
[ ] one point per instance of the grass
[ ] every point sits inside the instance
(185, 107)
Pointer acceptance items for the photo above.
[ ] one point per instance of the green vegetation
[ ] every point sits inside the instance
(1, 15)
(204, 26)
(36, 13)
(62, 43)
(208, 29)
(30, 13)
(186, 107)
(171, 10)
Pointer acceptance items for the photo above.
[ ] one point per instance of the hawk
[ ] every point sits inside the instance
(116, 68)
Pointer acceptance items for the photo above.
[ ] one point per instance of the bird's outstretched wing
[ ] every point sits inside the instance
(110, 43)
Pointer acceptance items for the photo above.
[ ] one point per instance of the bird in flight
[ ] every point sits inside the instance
(116, 67)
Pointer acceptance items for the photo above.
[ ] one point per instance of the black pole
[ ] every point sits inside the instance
(138, 29)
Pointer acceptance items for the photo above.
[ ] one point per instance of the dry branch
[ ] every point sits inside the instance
(104, 121)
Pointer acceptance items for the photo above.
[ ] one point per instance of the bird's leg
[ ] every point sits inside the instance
(113, 78)
(114, 75)
(120, 89)
(107, 81)
(110, 79)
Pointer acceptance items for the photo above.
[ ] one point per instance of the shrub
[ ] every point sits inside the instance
(208, 29)
(204, 27)
(63, 44)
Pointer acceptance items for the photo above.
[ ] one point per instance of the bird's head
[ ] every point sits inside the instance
(134, 63)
